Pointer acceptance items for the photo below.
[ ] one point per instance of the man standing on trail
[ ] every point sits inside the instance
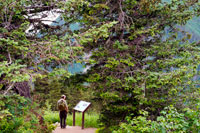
(63, 108)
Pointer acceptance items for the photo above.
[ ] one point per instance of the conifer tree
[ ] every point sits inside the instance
(135, 63)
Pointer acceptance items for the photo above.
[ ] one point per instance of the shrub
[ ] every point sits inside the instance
(19, 115)
(169, 121)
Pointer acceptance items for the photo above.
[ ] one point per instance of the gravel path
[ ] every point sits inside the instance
(75, 129)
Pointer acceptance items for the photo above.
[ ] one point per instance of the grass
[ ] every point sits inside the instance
(90, 119)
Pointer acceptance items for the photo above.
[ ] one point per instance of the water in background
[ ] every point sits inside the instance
(192, 27)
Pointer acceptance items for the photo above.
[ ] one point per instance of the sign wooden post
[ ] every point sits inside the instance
(74, 117)
(82, 106)
(83, 120)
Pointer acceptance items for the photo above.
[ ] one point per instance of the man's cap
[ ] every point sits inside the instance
(63, 96)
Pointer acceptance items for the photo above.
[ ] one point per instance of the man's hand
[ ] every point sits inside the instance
(66, 109)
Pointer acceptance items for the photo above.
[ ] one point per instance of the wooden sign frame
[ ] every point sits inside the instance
(79, 109)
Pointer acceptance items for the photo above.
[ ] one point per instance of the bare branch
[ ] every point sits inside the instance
(36, 9)
(9, 88)
(10, 60)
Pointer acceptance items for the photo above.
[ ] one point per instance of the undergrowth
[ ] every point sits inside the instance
(91, 120)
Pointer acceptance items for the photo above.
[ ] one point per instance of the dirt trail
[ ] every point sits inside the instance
(75, 129)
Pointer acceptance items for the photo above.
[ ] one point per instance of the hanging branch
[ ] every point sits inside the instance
(10, 60)
(121, 19)
(9, 88)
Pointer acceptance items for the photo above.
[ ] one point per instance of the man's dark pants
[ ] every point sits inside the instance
(63, 116)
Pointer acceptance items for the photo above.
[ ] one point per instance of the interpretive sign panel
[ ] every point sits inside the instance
(82, 106)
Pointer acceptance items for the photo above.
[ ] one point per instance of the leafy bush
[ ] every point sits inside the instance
(169, 121)
(19, 115)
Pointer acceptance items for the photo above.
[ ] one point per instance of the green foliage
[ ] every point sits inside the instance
(19, 115)
(94, 34)
(120, 46)
(169, 121)
(91, 119)
(133, 67)
(13, 72)
(49, 90)
(28, 55)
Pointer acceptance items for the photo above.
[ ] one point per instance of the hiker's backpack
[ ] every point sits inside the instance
(61, 105)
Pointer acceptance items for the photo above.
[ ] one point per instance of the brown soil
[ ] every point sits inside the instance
(75, 129)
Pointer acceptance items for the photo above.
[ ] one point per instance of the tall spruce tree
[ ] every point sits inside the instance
(135, 64)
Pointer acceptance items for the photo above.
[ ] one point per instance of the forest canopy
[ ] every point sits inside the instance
(134, 65)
